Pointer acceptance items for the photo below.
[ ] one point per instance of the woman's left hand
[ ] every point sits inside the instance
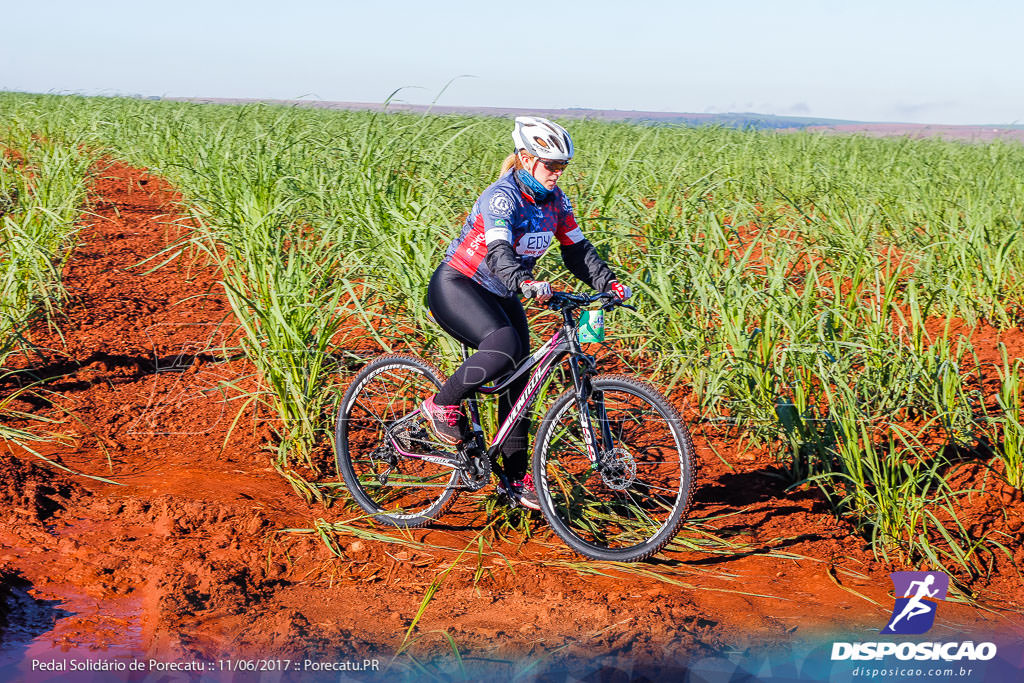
(620, 291)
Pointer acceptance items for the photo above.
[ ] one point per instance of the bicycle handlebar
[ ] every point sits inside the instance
(563, 300)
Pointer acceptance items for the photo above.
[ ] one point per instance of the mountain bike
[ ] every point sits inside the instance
(613, 461)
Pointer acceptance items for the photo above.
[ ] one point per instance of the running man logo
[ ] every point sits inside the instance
(917, 595)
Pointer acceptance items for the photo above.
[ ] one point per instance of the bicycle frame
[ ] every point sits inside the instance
(563, 344)
(621, 494)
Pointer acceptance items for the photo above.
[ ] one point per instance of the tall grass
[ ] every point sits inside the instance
(793, 279)
(42, 194)
(1009, 432)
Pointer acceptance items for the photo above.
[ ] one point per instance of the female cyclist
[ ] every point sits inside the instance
(474, 293)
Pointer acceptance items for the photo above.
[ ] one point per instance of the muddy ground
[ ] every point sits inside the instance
(184, 554)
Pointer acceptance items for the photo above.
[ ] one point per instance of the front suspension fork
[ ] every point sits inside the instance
(585, 396)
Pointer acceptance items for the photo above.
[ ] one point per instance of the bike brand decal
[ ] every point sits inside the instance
(500, 205)
(587, 434)
(531, 387)
(437, 460)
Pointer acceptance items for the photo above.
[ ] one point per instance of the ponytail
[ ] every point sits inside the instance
(512, 160)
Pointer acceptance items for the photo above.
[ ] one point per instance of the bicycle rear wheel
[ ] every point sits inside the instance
(632, 505)
(381, 439)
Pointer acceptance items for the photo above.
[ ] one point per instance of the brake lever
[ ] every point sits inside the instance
(617, 302)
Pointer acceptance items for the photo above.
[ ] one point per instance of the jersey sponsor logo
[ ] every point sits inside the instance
(566, 204)
(477, 242)
(500, 205)
(533, 244)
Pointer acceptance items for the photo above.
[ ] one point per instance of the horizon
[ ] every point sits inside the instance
(740, 120)
(401, 105)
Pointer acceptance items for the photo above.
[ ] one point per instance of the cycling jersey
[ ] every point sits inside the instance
(507, 231)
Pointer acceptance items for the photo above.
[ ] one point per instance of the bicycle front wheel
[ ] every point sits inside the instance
(381, 440)
(632, 502)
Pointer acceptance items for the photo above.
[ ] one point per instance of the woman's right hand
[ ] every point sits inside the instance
(532, 289)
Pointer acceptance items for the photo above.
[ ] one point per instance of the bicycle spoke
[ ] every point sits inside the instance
(370, 410)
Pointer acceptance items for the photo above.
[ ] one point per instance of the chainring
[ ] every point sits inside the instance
(477, 473)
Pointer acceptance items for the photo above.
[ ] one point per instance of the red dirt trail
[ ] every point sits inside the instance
(184, 556)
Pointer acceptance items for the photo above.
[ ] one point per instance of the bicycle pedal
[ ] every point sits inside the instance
(511, 499)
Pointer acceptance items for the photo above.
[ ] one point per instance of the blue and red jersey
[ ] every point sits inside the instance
(506, 212)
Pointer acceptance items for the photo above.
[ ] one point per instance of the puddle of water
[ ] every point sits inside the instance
(51, 640)
(78, 639)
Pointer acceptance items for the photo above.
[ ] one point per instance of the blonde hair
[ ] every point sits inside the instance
(512, 160)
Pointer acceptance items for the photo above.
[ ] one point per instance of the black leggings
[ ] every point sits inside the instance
(497, 327)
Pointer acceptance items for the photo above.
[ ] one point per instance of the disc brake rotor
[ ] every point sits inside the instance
(618, 470)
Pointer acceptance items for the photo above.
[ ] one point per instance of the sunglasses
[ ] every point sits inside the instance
(554, 166)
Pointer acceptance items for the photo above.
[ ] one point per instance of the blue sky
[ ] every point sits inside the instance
(912, 61)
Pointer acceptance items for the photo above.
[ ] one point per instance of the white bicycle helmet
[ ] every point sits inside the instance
(542, 138)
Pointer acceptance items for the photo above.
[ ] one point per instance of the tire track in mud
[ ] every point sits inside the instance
(183, 558)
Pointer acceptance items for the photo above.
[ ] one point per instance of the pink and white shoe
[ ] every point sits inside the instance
(527, 493)
(447, 422)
